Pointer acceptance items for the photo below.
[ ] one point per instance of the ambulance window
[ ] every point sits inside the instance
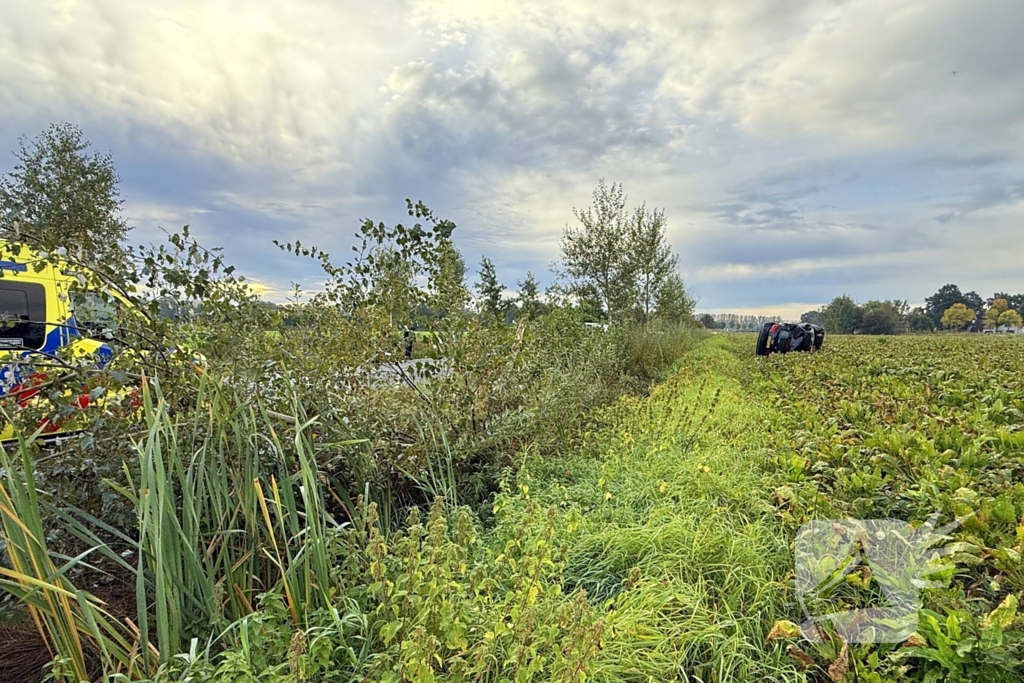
(95, 315)
(22, 315)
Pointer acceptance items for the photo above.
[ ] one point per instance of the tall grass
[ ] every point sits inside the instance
(233, 510)
(72, 623)
(673, 532)
(232, 505)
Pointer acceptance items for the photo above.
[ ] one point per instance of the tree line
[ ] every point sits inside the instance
(616, 264)
(734, 322)
(949, 308)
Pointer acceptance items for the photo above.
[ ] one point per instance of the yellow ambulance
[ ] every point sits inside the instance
(48, 315)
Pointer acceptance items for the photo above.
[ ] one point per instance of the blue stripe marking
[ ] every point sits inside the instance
(11, 374)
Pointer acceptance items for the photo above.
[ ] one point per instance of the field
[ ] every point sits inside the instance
(683, 510)
(657, 544)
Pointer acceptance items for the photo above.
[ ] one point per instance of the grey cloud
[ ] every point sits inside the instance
(543, 104)
(990, 196)
(774, 132)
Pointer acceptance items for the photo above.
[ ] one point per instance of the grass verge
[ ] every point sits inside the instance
(668, 525)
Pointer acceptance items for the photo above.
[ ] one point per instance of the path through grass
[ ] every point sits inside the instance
(670, 529)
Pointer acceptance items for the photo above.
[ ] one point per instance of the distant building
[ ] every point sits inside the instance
(977, 326)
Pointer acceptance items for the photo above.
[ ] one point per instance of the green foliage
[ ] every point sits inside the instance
(813, 317)
(995, 310)
(61, 196)
(528, 300)
(842, 315)
(621, 263)
(652, 266)
(949, 295)
(902, 430)
(673, 304)
(491, 291)
(880, 317)
(593, 257)
(226, 503)
(707, 321)
(1009, 318)
(957, 316)
(919, 321)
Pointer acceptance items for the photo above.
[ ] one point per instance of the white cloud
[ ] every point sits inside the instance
(254, 82)
(820, 137)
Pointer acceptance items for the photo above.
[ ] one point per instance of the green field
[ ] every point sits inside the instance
(680, 513)
(656, 545)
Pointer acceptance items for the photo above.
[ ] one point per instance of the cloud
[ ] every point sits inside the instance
(799, 148)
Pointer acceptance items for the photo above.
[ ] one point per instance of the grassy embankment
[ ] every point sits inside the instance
(667, 516)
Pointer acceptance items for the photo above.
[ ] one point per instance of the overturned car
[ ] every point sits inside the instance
(778, 337)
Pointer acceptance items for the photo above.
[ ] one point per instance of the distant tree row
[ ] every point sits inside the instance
(733, 322)
(949, 308)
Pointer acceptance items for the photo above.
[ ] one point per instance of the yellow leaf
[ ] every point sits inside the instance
(783, 629)
(1003, 615)
(915, 640)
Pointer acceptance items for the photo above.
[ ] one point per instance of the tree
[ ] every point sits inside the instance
(937, 304)
(880, 317)
(814, 318)
(529, 296)
(919, 321)
(650, 259)
(973, 301)
(842, 315)
(1010, 318)
(447, 279)
(594, 254)
(674, 304)
(707, 321)
(61, 195)
(491, 291)
(957, 316)
(391, 285)
(996, 309)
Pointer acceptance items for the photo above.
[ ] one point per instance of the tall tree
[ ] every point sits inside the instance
(447, 278)
(919, 321)
(996, 309)
(842, 315)
(974, 302)
(813, 317)
(674, 304)
(650, 259)
(529, 295)
(62, 195)
(1010, 318)
(937, 304)
(594, 254)
(391, 285)
(957, 316)
(490, 290)
(880, 317)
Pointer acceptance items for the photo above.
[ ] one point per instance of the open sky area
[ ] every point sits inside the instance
(800, 149)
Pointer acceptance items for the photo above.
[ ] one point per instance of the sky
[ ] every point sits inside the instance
(800, 149)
